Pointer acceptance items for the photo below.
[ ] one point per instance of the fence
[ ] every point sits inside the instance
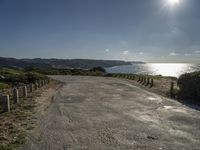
(14, 95)
(162, 85)
(144, 80)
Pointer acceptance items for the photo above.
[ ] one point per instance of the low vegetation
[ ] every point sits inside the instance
(14, 77)
(15, 124)
(96, 71)
(189, 85)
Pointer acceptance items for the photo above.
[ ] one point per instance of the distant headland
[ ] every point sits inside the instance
(62, 63)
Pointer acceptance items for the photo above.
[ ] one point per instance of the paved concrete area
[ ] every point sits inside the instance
(106, 113)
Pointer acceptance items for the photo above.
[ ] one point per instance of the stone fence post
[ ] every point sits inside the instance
(31, 88)
(148, 81)
(144, 80)
(15, 96)
(151, 83)
(172, 90)
(39, 84)
(42, 83)
(133, 77)
(139, 79)
(36, 86)
(24, 91)
(6, 103)
(45, 82)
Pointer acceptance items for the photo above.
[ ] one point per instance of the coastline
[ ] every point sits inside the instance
(155, 69)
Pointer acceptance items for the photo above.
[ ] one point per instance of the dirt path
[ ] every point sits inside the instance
(106, 113)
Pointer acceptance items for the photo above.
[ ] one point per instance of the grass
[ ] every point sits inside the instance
(4, 85)
(13, 77)
(97, 71)
(15, 124)
(10, 71)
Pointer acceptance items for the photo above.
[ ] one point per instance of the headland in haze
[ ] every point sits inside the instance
(62, 63)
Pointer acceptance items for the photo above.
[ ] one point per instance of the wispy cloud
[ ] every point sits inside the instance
(197, 52)
(187, 54)
(173, 54)
(124, 43)
(141, 53)
(107, 50)
(125, 52)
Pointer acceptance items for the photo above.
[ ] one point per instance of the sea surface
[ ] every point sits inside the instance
(164, 69)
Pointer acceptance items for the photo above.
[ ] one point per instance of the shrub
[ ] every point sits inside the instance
(101, 69)
(110, 75)
(14, 76)
(31, 77)
(189, 85)
(3, 85)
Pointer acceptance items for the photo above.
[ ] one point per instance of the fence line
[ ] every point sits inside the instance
(144, 80)
(18, 92)
(147, 81)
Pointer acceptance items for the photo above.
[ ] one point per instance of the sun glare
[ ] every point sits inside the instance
(173, 2)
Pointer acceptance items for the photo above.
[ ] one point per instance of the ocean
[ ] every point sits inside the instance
(164, 69)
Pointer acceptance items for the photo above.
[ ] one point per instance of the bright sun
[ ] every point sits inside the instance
(173, 2)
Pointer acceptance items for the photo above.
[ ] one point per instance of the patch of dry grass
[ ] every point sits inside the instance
(15, 124)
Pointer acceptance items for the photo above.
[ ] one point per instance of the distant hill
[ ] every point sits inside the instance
(61, 63)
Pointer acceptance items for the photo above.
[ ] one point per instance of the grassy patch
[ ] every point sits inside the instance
(4, 85)
(14, 125)
(15, 77)
(6, 147)
(189, 84)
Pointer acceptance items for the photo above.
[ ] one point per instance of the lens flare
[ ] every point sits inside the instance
(173, 2)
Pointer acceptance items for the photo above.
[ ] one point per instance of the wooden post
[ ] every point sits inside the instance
(45, 81)
(24, 91)
(138, 79)
(152, 83)
(15, 96)
(172, 90)
(39, 84)
(144, 80)
(36, 86)
(31, 87)
(6, 103)
(148, 81)
(133, 77)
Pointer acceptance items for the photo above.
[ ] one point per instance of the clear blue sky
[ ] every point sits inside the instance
(146, 30)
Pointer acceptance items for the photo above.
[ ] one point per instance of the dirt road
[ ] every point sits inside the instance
(105, 113)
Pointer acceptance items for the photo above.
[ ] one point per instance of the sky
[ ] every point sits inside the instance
(131, 30)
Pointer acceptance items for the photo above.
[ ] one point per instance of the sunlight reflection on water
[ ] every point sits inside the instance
(165, 69)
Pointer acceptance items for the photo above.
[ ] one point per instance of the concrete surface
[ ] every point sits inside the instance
(106, 113)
